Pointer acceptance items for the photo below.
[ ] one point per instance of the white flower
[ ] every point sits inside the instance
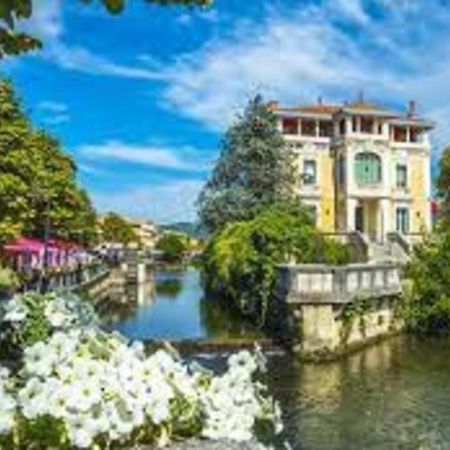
(15, 310)
(7, 404)
(98, 385)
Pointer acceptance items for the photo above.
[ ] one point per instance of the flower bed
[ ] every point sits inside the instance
(79, 387)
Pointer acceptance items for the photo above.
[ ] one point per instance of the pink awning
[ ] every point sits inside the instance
(24, 245)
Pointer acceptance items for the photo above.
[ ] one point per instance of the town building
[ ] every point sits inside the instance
(146, 231)
(362, 167)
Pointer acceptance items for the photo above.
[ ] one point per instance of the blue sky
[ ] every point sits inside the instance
(140, 100)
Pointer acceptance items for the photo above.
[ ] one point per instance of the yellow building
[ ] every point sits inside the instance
(146, 231)
(361, 167)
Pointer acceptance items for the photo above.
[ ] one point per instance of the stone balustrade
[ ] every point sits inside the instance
(309, 311)
(314, 283)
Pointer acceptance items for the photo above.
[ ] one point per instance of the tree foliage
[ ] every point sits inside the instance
(240, 261)
(173, 247)
(443, 183)
(427, 299)
(254, 170)
(37, 180)
(116, 229)
(14, 42)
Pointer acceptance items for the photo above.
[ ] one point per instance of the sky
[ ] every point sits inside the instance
(141, 100)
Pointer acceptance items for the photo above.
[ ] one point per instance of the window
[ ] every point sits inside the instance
(325, 129)
(341, 170)
(402, 220)
(415, 135)
(290, 126)
(402, 176)
(342, 127)
(366, 125)
(367, 168)
(312, 213)
(308, 128)
(309, 172)
(354, 125)
(400, 134)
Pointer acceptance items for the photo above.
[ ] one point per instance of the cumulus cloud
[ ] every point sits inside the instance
(164, 203)
(394, 51)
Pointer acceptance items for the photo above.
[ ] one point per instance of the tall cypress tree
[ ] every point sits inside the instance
(255, 170)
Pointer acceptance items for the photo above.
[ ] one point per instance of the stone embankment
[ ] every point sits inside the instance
(195, 444)
(322, 311)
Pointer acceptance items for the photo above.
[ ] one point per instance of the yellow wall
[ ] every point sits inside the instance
(418, 193)
(327, 194)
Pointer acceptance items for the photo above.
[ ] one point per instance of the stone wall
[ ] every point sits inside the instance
(195, 444)
(325, 310)
(101, 287)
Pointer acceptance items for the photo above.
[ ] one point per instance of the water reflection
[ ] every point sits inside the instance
(390, 396)
(171, 305)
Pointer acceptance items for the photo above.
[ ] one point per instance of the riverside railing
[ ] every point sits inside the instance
(70, 280)
(316, 283)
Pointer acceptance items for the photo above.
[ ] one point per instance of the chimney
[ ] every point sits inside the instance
(412, 109)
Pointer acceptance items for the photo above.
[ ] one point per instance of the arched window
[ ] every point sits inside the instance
(367, 168)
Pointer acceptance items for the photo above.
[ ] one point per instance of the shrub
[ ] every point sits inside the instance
(426, 305)
(240, 262)
(8, 280)
(173, 247)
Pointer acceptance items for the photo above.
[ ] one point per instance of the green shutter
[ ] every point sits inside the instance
(367, 168)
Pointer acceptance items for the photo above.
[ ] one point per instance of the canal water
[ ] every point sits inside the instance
(392, 396)
(172, 306)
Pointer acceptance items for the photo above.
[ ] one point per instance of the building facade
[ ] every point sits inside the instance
(146, 231)
(361, 167)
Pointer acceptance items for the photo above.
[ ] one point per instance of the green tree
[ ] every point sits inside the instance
(14, 42)
(427, 293)
(116, 229)
(443, 183)
(37, 180)
(173, 247)
(254, 170)
(240, 261)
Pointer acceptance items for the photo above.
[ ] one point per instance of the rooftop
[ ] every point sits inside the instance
(360, 106)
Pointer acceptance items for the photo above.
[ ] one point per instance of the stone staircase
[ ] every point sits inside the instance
(393, 250)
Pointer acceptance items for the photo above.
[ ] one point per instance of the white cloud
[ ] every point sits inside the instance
(163, 203)
(52, 113)
(47, 23)
(177, 158)
(353, 9)
(52, 106)
(293, 57)
(297, 55)
(88, 169)
(83, 60)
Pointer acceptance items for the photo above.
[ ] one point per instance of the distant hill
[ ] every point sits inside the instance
(190, 228)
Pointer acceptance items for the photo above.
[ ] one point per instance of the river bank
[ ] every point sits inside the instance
(391, 395)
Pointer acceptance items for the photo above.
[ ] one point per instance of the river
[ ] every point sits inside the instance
(393, 395)
(172, 306)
